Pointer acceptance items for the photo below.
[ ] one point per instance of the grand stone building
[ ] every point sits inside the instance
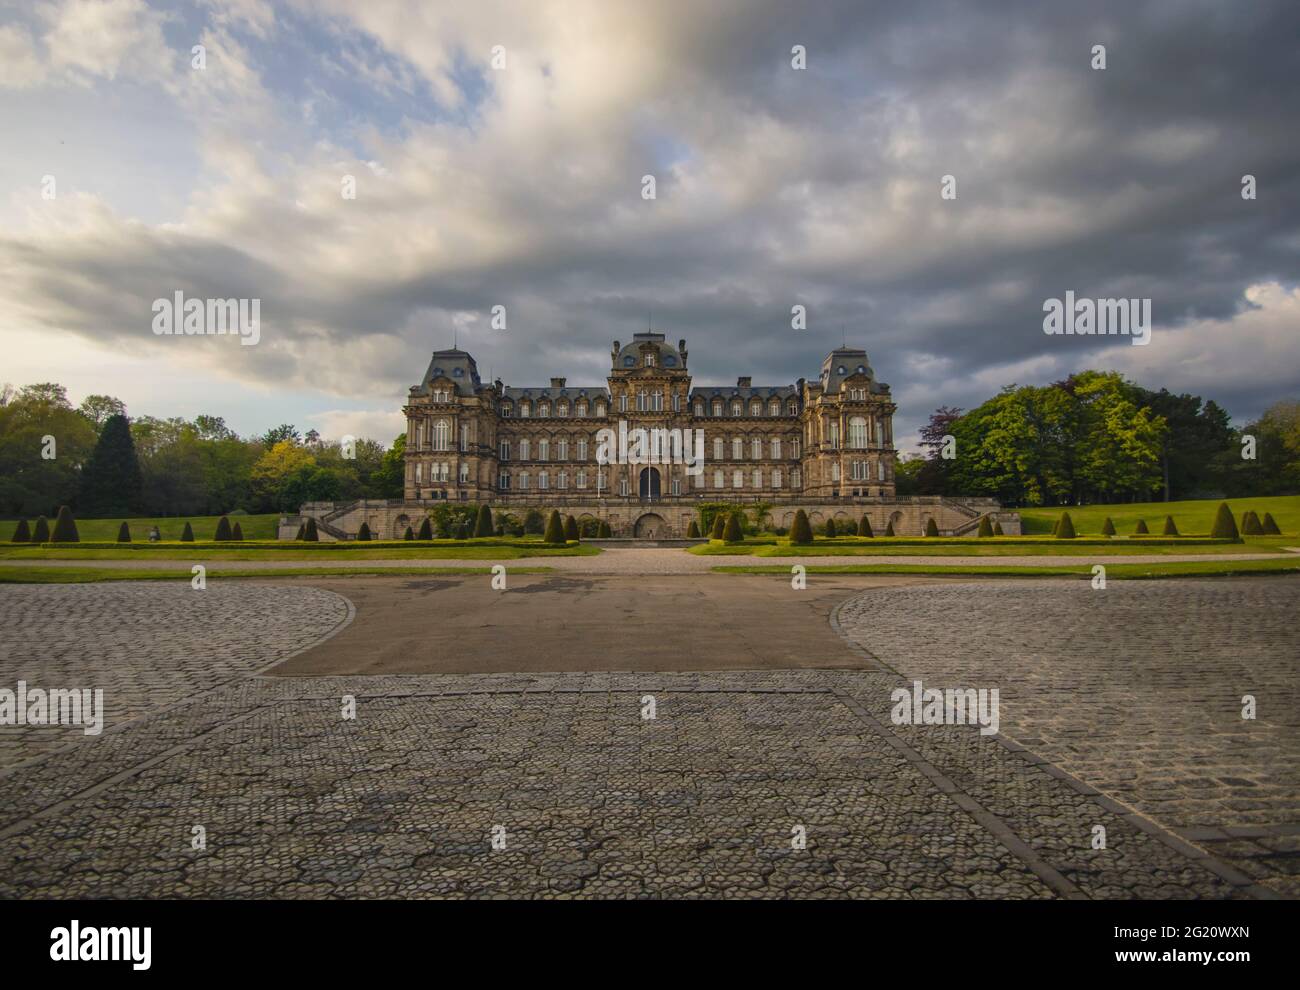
(825, 444)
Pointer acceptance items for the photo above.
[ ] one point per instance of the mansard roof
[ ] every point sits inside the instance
(568, 392)
(455, 364)
(845, 362)
(743, 391)
(668, 355)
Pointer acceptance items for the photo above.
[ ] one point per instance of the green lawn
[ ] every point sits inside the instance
(1220, 568)
(1192, 517)
(88, 575)
(1004, 546)
(259, 527)
(289, 550)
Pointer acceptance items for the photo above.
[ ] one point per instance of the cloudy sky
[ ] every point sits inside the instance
(521, 185)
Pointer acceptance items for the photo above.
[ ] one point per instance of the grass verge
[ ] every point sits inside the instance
(1156, 569)
(91, 575)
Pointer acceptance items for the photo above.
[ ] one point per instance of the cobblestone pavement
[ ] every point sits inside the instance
(644, 561)
(1136, 689)
(592, 799)
(147, 645)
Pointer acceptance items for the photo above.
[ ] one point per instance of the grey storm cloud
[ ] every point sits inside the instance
(776, 187)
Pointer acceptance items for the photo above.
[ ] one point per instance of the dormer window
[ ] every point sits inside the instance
(543, 409)
(581, 409)
(525, 410)
(650, 359)
(629, 361)
(735, 408)
(562, 409)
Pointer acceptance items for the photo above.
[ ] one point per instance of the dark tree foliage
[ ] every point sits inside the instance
(426, 529)
(554, 529)
(483, 521)
(801, 529)
(570, 528)
(110, 480)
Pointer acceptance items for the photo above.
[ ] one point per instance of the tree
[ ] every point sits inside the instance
(830, 529)
(997, 528)
(21, 533)
(409, 534)
(800, 529)
(533, 522)
(223, 533)
(187, 534)
(1225, 527)
(237, 534)
(1141, 528)
(281, 477)
(483, 522)
(1108, 527)
(554, 529)
(1170, 528)
(864, 527)
(1270, 525)
(426, 529)
(98, 408)
(570, 529)
(124, 533)
(31, 482)
(733, 533)
(1065, 527)
(310, 532)
(850, 528)
(363, 533)
(1252, 527)
(65, 528)
(931, 527)
(41, 531)
(388, 480)
(719, 525)
(693, 530)
(606, 533)
(284, 433)
(302, 531)
(986, 528)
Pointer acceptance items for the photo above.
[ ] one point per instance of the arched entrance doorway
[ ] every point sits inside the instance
(649, 486)
(650, 526)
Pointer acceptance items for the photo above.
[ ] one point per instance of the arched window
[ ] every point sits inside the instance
(737, 449)
(858, 432)
(562, 449)
(525, 409)
(717, 479)
(776, 448)
(441, 435)
(699, 409)
(735, 407)
(600, 409)
(581, 409)
(543, 450)
(774, 407)
(717, 448)
(792, 408)
(717, 407)
(562, 409)
(756, 449)
(543, 409)
(756, 408)
(523, 481)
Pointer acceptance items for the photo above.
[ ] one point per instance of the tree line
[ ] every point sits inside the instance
(1098, 437)
(99, 462)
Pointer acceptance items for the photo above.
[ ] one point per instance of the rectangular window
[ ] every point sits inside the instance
(419, 473)
(756, 449)
(794, 448)
(697, 480)
(880, 465)
(503, 482)
(776, 477)
(737, 449)
(677, 486)
(562, 481)
(758, 478)
(622, 402)
(776, 448)
(582, 479)
(582, 449)
(677, 403)
(717, 479)
(717, 448)
(835, 471)
(543, 481)
(562, 450)
(523, 450)
(505, 450)
(464, 472)
(795, 478)
(622, 487)
(738, 479)
(543, 450)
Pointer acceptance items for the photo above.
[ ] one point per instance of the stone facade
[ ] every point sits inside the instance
(823, 444)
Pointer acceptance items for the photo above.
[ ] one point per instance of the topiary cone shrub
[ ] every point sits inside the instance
(719, 524)
(986, 528)
(223, 530)
(889, 528)
(732, 533)
(1065, 527)
(571, 530)
(1171, 529)
(363, 533)
(483, 522)
(310, 534)
(606, 533)
(830, 529)
(864, 527)
(124, 533)
(426, 530)
(554, 528)
(187, 534)
(850, 528)
(409, 534)
(800, 529)
(693, 530)
(997, 528)
(1055, 526)
(1270, 525)
(22, 534)
(237, 534)
(65, 529)
(41, 531)
(1141, 528)
(1252, 527)
(1225, 527)
(302, 531)
(931, 527)
(1108, 527)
